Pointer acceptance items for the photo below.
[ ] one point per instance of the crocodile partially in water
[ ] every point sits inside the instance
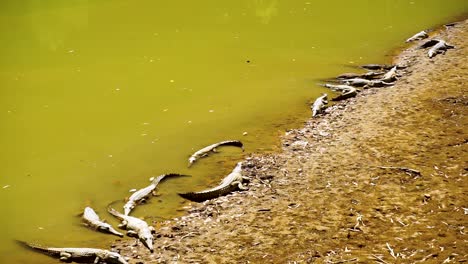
(144, 193)
(92, 220)
(319, 104)
(229, 184)
(136, 228)
(418, 36)
(212, 148)
(80, 255)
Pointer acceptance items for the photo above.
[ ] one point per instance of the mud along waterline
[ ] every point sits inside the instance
(97, 97)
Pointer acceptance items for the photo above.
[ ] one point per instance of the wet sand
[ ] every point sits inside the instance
(325, 197)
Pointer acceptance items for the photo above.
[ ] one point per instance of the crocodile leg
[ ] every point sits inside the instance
(132, 233)
(123, 224)
(96, 261)
(65, 257)
(240, 185)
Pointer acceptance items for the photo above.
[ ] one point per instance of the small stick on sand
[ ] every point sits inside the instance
(405, 169)
(379, 259)
(391, 251)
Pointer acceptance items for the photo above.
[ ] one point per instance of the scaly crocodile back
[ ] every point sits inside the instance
(203, 196)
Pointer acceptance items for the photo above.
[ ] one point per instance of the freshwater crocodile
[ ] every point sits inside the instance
(319, 104)
(338, 87)
(367, 75)
(390, 76)
(92, 220)
(135, 228)
(230, 183)
(80, 255)
(440, 47)
(359, 82)
(142, 194)
(348, 93)
(204, 151)
(381, 66)
(418, 36)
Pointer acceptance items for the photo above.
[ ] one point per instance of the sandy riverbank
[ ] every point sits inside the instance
(325, 199)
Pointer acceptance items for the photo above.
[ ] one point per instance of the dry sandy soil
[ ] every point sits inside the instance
(325, 197)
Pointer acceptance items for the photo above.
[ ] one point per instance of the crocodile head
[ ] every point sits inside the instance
(128, 207)
(112, 257)
(146, 237)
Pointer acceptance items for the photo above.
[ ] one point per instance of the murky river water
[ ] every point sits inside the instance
(98, 96)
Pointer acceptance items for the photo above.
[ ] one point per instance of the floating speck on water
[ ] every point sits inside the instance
(245, 134)
(117, 89)
(40, 228)
(165, 110)
(110, 156)
(145, 123)
(189, 122)
(151, 179)
(6, 186)
(132, 190)
(144, 134)
(351, 62)
(211, 111)
(293, 59)
(171, 81)
(71, 51)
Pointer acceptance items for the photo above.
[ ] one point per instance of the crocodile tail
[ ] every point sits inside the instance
(235, 143)
(199, 197)
(160, 178)
(36, 247)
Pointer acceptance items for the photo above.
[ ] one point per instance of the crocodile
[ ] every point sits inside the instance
(204, 151)
(135, 228)
(367, 75)
(359, 82)
(381, 66)
(440, 47)
(142, 194)
(338, 87)
(346, 94)
(229, 184)
(418, 36)
(319, 104)
(92, 220)
(80, 255)
(390, 76)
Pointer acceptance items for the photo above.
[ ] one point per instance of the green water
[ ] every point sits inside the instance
(98, 96)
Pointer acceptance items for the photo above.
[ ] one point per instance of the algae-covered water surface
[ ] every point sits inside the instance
(98, 96)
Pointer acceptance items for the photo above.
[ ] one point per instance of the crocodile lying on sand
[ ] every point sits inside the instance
(420, 35)
(142, 194)
(229, 184)
(80, 255)
(206, 150)
(135, 228)
(347, 93)
(381, 66)
(367, 75)
(319, 104)
(440, 47)
(359, 82)
(92, 220)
